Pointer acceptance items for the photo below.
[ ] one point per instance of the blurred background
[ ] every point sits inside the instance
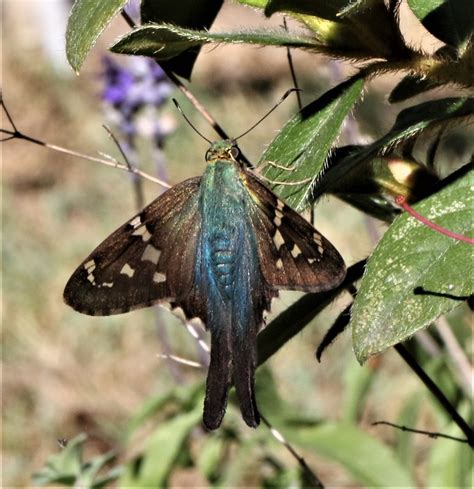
(64, 373)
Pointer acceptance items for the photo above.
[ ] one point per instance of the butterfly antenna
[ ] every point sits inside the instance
(283, 98)
(189, 122)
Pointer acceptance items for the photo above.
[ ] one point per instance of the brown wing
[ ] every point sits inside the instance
(293, 254)
(143, 262)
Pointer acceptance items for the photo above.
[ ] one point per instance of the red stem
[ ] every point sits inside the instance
(401, 201)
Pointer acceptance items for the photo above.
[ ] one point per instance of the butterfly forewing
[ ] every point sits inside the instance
(293, 254)
(147, 260)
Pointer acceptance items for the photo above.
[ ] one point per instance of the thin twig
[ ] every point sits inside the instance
(180, 360)
(461, 366)
(185, 91)
(137, 182)
(301, 461)
(437, 393)
(19, 135)
(292, 70)
(163, 338)
(312, 216)
(427, 342)
(431, 434)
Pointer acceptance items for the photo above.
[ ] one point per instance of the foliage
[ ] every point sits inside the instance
(302, 163)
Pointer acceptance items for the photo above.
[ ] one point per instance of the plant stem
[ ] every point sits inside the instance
(437, 393)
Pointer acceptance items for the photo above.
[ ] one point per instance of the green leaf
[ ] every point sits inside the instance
(162, 450)
(149, 409)
(370, 462)
(90, 471)
(195, 14)
(325, 10)
(353, 29)
(254, 3)
(267, 392)
(182, 396)
(419, 117)
(408, 416)
(410, 255)
(328, 9)
(210, 455)
(167, 41)
(286, 477)
(357, 382)
(303, 144)
(63, 467)
(451, 21)
(450, 462)
(410, 86)
(244, 461)
(410, 123)
(86, 23)
(373, 186)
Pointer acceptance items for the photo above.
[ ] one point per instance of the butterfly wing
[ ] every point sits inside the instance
(293, 255)
(144, 261)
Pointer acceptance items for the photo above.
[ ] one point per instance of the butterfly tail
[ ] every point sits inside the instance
(244, 365)
(218, 379)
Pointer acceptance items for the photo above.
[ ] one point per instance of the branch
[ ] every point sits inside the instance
(436, 391)
(16, 134)
(431, 434)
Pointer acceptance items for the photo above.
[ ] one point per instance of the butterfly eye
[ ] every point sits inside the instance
(234, 151)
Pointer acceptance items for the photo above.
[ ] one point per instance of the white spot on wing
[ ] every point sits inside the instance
(317, 238)
(280, 205)
(295, 251)
(159, 277)
(127, 270)
(278, 213)
(279, 264)
(320, 249)
(278, 239)
(135, 222)
(107, 284)
(90, 266)
(277, 221)
(143, 232)
(151, 254)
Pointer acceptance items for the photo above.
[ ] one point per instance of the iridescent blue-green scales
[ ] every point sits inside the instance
(218, 247)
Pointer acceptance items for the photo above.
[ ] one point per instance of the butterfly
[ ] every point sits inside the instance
(219, 247)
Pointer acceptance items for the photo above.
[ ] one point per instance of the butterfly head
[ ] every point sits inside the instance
(225, 149)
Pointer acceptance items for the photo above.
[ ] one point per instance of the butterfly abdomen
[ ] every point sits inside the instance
(223, 261)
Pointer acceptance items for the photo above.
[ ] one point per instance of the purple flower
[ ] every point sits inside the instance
(118, 82)
(133, 9)
(132, 95)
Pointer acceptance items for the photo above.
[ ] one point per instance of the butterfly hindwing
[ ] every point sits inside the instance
(143, 262)
(293, 255)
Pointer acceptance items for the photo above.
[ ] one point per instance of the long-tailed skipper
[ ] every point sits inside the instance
(219, 247)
